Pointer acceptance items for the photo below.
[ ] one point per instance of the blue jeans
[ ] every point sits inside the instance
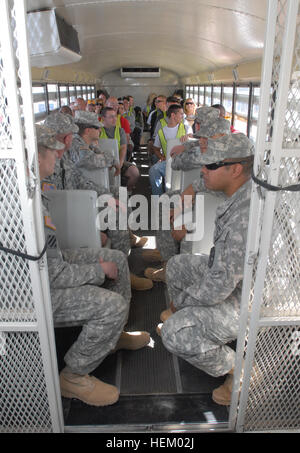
(156, 174)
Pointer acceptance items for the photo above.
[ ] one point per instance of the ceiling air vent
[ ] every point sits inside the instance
(52, 41)
(140, 72)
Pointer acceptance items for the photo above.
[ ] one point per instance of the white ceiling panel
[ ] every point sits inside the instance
(186, 37)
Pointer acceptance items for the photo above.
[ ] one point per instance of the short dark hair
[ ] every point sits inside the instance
(173, 109)
(105, 110)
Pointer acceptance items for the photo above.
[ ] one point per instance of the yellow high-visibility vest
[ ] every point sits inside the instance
(180, 133)
(116, 135)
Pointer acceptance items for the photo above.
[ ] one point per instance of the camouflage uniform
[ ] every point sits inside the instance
(208, 292)
(75, 279)
(210, 126)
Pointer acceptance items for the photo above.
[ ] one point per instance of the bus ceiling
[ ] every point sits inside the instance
(195, 40)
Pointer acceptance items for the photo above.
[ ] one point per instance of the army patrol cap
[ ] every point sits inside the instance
(61, 123)
(46, 137)
(209, 128)
(233, 146)
(206, 114)
(87, 118)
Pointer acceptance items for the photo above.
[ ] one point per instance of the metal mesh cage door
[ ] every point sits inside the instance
(29, 396)
(266, 394)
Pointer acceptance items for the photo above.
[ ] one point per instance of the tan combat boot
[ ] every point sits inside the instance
(88, 389)
(140, 283)
(136, 241)
(152, 256)
(156, 275)
(133, 340)
(222, 394)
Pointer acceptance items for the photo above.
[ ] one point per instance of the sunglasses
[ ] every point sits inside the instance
(189, 103)
(94, 127)
(217, 165)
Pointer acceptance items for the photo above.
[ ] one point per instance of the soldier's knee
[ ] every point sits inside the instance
(176, 334)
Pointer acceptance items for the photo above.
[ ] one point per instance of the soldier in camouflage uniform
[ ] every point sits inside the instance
(76, 279)
(208, 125)
(206, 292)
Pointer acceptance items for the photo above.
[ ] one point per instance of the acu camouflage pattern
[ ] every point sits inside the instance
(61, 124)
(191, 156)
(207, 294)
(77, 294)
(46, 137)
(89, 157)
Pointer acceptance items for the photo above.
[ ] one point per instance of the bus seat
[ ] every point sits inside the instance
(172, 178)
(188, 177)
(99, 176)
(111, 145)
(211, 203)
(74, 213)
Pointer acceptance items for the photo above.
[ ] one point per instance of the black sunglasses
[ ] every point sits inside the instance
(189, 103)
(217, 165)
(94, 127)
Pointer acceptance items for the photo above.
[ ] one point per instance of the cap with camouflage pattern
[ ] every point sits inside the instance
(87, 118)
(61, 123)
(46, 137)
(209, 128)
(233, 146)
(206, 113)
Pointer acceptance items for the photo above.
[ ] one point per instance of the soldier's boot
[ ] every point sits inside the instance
(152, 256)
(158, 329)
(156, 275)
(133, 341)
(140, 283)
(136, 241)
(222, 394)
(88, 389)
(167, 313)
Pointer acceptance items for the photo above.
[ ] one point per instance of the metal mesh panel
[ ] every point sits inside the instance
(281, 295)
(24, 404)
(271, 304)
(28, 400)
(16, 302)
(274, 393)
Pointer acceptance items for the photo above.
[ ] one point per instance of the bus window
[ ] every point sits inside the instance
(63, 92)
(39, 102)
(53, 100)
(208, 96)
(227, 101)
(241, 109)
(217, 95)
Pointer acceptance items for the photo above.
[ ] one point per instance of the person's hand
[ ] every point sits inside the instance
(184, 138)
(109, 268)
(178, 235)
(177, 150)
(103, 238)
(118, 169)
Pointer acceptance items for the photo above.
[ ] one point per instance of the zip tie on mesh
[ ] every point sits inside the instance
(293, 188)
(24, 255)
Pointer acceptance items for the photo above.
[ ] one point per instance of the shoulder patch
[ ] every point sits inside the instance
(47, 186)
(48, 223)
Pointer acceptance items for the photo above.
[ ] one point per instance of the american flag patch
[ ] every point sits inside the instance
(47, 186)
(48, 223)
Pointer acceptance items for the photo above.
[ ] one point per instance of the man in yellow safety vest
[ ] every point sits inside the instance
(174, 129)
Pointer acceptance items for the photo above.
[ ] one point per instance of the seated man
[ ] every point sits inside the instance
(207, 125)
(170, 242)
(174, 129)
(129, 172)
(76, 279)
(206, 292)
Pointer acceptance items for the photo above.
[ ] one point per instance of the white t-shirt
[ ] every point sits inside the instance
(170, 133)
